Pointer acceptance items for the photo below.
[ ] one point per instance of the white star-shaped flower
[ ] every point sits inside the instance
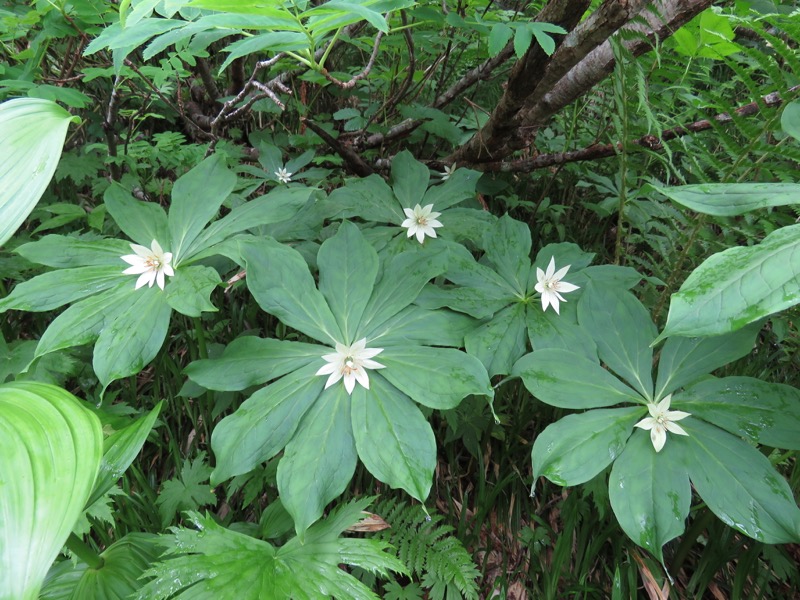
(350, 363)
(421, 222)
(661, 420)
(283, 175)
(550, 285)
(150, 264)
(448, 171)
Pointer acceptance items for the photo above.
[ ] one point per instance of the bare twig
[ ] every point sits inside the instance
(356, 164)
(347, 85)
(112, 111)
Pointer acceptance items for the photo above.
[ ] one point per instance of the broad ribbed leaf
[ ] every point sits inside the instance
(51, 448)
(196, 198)
(369, 198)
(623, 331)
(264, 424)
(731, 199)
(650, 492)
(251, 360)
(279, 279)
(124, 562)
(685, 359)
(393, 439)
(499, 343)
(435, 377)
(414, 325)
(143, 222)
(57, 288)
(738, 286)
(790, 119)
(32, 133)
(348, 266)
(576, 448)
(320, 460)
(568, 380)
(119, 451)
(134, 338)
(459, 186)
(767, 413)
(740, 486)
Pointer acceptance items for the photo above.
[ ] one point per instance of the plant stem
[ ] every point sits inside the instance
(82, 550)
(201, 337)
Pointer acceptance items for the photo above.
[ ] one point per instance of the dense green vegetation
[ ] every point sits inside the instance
(397, 299)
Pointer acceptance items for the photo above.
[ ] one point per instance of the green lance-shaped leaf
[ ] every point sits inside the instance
(51, 448)
(393, 439)
(57, 288)
(119, 451)
(414, 325)
(499, 343)
(369, 198)
(65, 252)
(279, 279)
(623, 331)
(767, 413)
(435, 377)
(568, 380)
(320, 460)
(738, 286)
(683, 360)
(32, 133)
(508, 247)
(399, 284)
(459, 186)
(264, 424)
(278, 205)
(576, 448)
(650, 493)
(348, 266)
(739, 484)
(134, 338)
(409, 179)
(547, 329)
(124, 561)
(196, 198)
(143, 222)
(189, 291)
(731, 199)
(251, 360)
(82, 322)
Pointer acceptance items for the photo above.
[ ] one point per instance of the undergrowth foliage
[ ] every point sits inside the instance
(534, 262)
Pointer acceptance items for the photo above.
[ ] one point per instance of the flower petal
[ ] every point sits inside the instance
(675, 428)
(565, 287)
(659, 437)
(350, 382)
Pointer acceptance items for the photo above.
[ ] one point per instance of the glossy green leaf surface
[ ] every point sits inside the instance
(577, 447)
(435, 377)
(568, 380)
(143, 222)
(196, 198)
(738, 286)
(264, 423)
(348, 266)
(508, 247)
(393, 439)
(189, 290)
(409, 179)
(684, 359)
(57, 288)
(251, 360)
(32, 133)
(65, 252)
(49, 444)
(790, 119)
(767, 413)
(650, 492)
(546, 329)
(623, 331)
(320, 460)
(279, 279)
(499, 343)
(143, 328)
(740, 485)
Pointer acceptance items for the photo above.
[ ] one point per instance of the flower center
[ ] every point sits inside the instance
(349, 366)
(153, 262)
(422, 221)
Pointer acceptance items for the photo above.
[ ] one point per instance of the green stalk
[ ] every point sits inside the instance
(201, 337)
(82, 550)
